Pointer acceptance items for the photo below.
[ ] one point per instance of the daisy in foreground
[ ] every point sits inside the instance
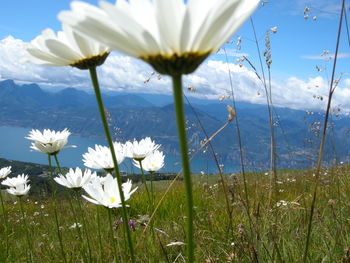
(66, 48)
(49, 142)
(106, 193)
(174, 37)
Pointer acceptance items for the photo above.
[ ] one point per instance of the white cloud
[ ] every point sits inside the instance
(211, 80)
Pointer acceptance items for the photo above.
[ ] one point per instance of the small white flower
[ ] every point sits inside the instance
(174, 36)
(139, 150)
(4, 172)
(15, 181)
(49, 142)
(107, 194)
(75, 179)
(18, 185)
(101, 157)
(152, 163)
(75, 225)
(66, 48)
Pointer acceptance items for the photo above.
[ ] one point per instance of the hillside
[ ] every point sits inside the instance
(133, 116)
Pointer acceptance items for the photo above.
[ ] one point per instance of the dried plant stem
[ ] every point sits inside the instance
(246, 196)
(273, 155)
(320, 153)
(223, 183)
(96, 87)
(180, 119)
(54, 189)
(177, 177)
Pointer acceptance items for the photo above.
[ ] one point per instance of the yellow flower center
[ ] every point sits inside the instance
(113, 199)
(175, 64)
(91, 62)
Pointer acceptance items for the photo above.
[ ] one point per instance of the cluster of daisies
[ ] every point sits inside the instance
(100, 190)
(17, 185)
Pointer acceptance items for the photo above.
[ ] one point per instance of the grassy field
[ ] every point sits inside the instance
(274, 231)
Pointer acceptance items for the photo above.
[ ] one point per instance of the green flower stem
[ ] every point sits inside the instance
(152, 189)
(181, 129)
(144, 180)
(53, 189)
(99, 232)
(4, 212)
(112, 234)
(68, 196)
(30, 252)
(96, 86)
(66, 192)
(84, 224)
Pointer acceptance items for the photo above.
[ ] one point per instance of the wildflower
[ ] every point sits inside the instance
(173, 36)
(101, 157)
(4, 172)
(139, 150)
(65, 48)
(75, 179)
(15, 181)
(18, 185)
(76, 225)
(107, 194)
(49, 142)
(286, 203)
(152, 162)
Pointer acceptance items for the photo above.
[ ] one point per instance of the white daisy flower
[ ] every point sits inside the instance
(49, 142)
(101, 157)
(18, 185)
(66, 48)
(15, 181)
(4, 172)
(107, 193)
(171, 35)
(152, 162)
(75, 179)
(138, 150)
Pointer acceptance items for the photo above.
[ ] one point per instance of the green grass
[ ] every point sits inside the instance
(277, 233)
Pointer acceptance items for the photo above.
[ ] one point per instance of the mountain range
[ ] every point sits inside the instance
(139, 115)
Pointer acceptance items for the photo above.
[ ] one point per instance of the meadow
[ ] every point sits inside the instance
(271, 216)
(274, 231)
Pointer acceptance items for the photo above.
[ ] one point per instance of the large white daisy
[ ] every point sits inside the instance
(173, 36)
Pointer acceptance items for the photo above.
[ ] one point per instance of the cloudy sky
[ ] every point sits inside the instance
(302, 56)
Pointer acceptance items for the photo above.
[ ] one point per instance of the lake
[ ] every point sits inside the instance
(14, 146)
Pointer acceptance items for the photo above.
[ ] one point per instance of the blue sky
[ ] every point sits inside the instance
(296, 47)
